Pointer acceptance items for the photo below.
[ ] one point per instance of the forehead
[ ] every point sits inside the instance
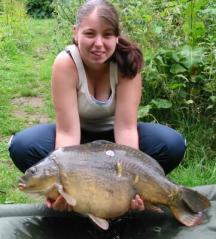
(95, 21)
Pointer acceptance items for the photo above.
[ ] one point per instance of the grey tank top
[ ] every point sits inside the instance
(95, 115)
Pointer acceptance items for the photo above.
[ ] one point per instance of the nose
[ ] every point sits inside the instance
(98, 40)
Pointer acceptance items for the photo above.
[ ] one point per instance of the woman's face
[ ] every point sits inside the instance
(96, 39)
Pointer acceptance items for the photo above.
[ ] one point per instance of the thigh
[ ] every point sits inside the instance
(29, 146)
(163, 143)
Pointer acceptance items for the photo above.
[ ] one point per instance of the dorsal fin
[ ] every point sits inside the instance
(101, 141)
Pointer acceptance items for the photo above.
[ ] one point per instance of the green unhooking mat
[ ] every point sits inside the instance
(38, 222)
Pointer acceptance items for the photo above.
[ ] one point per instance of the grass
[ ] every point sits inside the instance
(25, 74)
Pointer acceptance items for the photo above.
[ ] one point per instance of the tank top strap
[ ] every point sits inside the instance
(74, 52)
(113, 75)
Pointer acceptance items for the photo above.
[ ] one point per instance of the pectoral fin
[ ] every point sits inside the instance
(70, 200)
(102, 223)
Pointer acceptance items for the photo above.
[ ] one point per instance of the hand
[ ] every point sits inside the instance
(59, 204)
(137, 203)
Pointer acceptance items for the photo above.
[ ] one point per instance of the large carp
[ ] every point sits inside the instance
(99, 179)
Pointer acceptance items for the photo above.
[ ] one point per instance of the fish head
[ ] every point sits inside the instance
(40, 178)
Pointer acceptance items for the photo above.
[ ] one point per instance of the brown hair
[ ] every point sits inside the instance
(127, 55)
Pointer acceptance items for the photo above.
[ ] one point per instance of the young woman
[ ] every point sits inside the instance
(96, 88)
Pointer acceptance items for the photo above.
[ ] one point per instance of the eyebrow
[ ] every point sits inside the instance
(92, 29)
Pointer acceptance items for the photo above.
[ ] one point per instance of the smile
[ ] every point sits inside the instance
(97, 53)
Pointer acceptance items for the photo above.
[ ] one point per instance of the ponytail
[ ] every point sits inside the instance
(128, 57)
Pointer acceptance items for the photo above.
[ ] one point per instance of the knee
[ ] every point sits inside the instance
(18, 151)
(163, 143)
(175, 147)
(31, 145)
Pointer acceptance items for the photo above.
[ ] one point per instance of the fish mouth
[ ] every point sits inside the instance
(22, 186)
(28, 189)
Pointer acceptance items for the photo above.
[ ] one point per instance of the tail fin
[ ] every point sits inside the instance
(194, 200)
(189, 207)
(186, 217)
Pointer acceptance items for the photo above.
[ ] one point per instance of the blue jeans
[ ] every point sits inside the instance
(164, 144)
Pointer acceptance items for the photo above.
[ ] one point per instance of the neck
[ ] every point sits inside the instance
(98, 69)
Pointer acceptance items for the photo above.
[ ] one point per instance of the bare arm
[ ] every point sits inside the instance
(64, 92)
(128, 99)
(125, 128)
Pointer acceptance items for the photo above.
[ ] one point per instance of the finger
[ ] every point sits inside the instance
(48, 203)
(60, 204)
(57, 203)
(134, 204)
(137, 203)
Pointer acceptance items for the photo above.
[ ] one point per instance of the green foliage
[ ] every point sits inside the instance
(65, 15)
(39, 8)
(12, 27)
(178, 42)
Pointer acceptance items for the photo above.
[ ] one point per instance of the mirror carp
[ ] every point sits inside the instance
(99, 179)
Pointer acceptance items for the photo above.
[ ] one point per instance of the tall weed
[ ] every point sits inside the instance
(13, 30)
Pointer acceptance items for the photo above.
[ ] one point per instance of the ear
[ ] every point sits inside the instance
(74, 33)
(117, 40)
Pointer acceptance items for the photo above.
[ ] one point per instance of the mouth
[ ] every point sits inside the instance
(98, 53)
(22, 186)
(28, 189)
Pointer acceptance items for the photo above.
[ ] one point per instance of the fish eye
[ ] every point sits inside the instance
(33, 170)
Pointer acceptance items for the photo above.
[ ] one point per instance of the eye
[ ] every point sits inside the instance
(89, 34)
(33, 170)
(108, 34)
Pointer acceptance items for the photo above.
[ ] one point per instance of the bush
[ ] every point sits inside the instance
(39, 8)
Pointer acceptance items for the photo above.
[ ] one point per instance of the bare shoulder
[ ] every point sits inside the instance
(64, 61)
(64, 67)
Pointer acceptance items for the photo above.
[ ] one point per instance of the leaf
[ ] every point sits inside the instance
(176, 85)
(161, 103)
(176, 69)
(189, 102)
(199, 29)
(210, 11)
(213, 99)
(191, 56)
(144, 111)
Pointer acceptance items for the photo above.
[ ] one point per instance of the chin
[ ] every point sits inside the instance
(98, 62)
